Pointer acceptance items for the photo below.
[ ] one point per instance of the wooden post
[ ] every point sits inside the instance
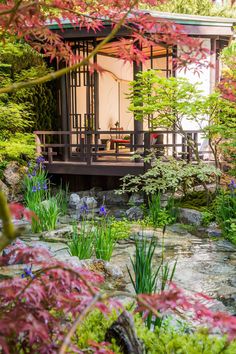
(213, 68)
(147, 146)
(38, 145)
(50, 155)
(138, 124)
(65, 116)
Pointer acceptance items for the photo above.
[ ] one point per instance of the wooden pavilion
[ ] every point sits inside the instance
(95, 133)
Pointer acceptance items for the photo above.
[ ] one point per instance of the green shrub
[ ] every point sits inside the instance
(207, 217)
(171, 175)
(197, 200)
(18, 147)
(159, 216)
(225, 210)
(120, 229)
(160, 341)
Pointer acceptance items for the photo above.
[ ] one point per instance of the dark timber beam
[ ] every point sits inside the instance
(65, 124)
(138, 124)
(213, 69)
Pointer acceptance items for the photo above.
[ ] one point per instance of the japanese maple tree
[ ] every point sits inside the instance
(30, 20)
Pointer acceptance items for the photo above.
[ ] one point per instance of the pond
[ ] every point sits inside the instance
(204, 264)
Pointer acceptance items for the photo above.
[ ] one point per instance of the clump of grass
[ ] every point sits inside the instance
(62, 199)
(47, 213)
(104, 240)
(146, 276)
(159, 216)
(82, 243)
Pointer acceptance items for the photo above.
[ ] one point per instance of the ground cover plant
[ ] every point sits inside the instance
(159, 216)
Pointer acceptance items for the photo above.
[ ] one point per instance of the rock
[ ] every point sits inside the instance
(136, 199)
(118, 213)
(113, 275)
(124, 333)
(91, 193)
(61, 233)
(11, 271)
(71, 260)
(225, 246)
(111, 198)
(75, 201)
(214, 232)
(134, 213)
(4, 188)
(12, 175)
(90, 202)
(190, 216)
(145, 234)
(177, 228)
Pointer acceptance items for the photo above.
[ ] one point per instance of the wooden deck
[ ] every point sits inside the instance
(96, 168)
(104, 153)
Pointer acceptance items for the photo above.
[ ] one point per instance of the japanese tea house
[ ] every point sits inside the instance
(96, 134)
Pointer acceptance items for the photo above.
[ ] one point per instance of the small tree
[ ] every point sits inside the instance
(221, 128)
(166, 103)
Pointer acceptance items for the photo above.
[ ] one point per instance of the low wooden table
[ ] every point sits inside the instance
(115, 143)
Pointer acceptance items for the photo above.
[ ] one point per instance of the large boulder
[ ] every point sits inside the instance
(136, 199)
(90, 202)
(190, 216)
(111, 198)
(4, 189)
(134, 213)
(12, 175)
(75, 201)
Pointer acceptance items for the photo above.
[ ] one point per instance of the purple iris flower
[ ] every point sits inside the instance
(30, 176)
(34, 189)
(102, 210)
(27, 272)
(33, 173)
(84, 209)
(232, 185)
(39, 187)
(40, 160)
(45, 187)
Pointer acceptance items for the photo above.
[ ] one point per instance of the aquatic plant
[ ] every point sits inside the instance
(146, 276)
(104, 241)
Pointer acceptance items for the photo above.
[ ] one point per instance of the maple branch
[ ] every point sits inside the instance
(38, 273)
(12, 15)
(61, 72)
(80, 318)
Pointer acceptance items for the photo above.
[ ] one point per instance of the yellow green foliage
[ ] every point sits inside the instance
(165, 341)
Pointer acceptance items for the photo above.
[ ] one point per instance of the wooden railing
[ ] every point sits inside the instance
(100, 146)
